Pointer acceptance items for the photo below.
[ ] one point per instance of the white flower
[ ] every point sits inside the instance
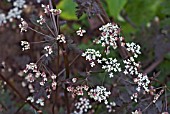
(53, 85)
(53, 76)
(55, 11)
(92, 64)
(31, 99)
(40, 101)
(46, 8)
(74, 80)
(30, 78)
(111, 75)
(14, 13)
(80, 32)
(2, 18)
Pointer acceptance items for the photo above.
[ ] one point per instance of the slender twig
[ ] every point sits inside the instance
(40, 33)
(19, 94)
(50, 29)
(3, 106)
(53, 19)
(153, 65)
(147, 107)
(61, 72)
(126, 17)
(103, 14)
(101, 19)
(66, 63)
(20, 108)
(166, 100)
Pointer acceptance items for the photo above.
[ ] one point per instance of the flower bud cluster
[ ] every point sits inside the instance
(48, 50)
(25, 45)
(134, 97)
(49, 10)
(61, 38)
(78, 90)
(80, 32)
(157, 96)
(39, 84)
(15, 12)
(41, 20)
(23, 26)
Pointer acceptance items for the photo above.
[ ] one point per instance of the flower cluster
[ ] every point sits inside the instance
(91, 55)
(134, 97)
(110, 106)
(41, 20)
(25, 45)
(156, 97)
(61, 38)
(142, 81)
(48, 50)
(80, 32)
(19, 3)
(39, 84)
(54, 83)
(110, 65)
(109, 35)
(15, 12)
(23, 26)
(99, 94)
(49, 10)
(134, 48)
(78, 90)
(131, 67)
(82, 106)
(39, 101)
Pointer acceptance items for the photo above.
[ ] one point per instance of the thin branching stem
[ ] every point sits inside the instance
(19, 94)
(40, 33)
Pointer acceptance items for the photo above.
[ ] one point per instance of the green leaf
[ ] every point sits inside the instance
(68, 9)
(142, 11)
(115, 6)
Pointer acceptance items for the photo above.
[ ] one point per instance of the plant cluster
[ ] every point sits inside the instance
(128, 86)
